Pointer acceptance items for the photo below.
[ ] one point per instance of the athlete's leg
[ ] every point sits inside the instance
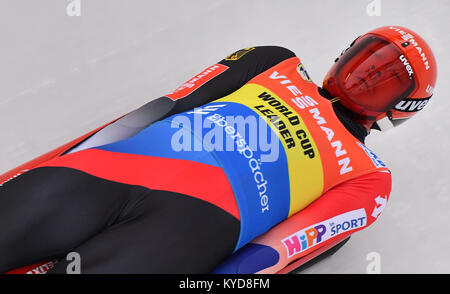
(161, 232)
(49, 211)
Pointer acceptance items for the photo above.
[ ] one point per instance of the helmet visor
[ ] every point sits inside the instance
(374, 74)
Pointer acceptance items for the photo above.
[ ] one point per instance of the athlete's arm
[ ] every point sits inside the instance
(340, 212)
(214, 82)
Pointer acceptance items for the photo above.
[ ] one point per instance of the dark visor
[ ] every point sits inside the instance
(374, 74)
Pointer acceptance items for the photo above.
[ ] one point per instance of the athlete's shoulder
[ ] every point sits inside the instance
(378, 181)
(262, 55)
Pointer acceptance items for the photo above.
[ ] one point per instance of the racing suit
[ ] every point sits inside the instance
(157, 191)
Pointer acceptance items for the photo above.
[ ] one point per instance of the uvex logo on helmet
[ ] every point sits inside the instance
(411, 105)
(407, 65)
(421, 59)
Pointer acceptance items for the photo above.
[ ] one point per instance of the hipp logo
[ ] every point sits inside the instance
(317, 233)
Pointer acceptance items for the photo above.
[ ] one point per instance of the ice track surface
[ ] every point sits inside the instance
(61, 76)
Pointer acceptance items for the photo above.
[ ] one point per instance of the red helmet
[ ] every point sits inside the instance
(384, 77)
